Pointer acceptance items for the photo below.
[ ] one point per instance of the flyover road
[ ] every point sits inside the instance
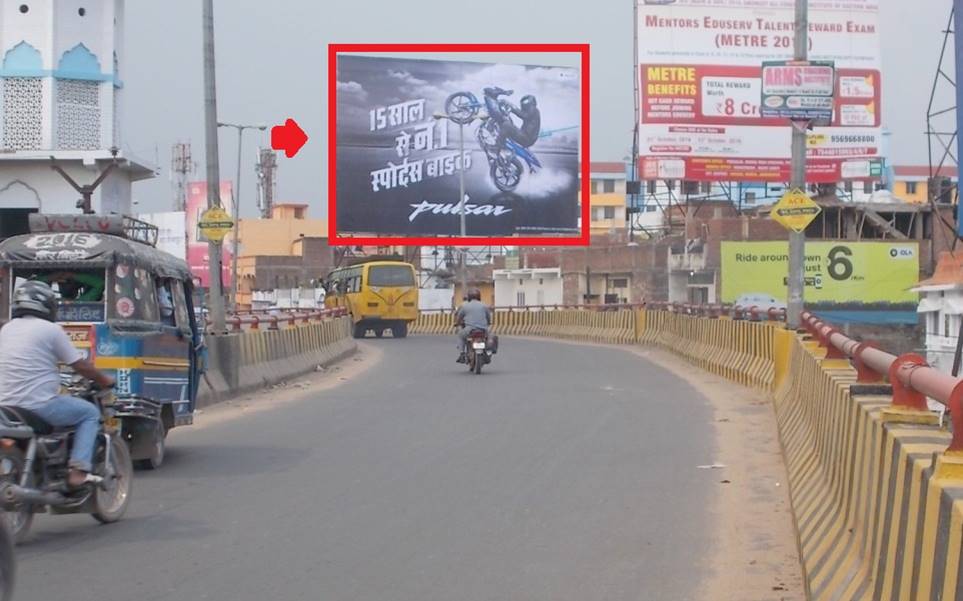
(561, 473)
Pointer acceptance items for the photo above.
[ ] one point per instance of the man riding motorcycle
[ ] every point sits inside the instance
(472, 315)
(528, 112)
(31, 347)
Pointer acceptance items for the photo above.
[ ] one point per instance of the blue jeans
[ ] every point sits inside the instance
(65, 412)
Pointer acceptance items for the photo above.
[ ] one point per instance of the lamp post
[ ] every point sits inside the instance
(461, 201)
(237, 203)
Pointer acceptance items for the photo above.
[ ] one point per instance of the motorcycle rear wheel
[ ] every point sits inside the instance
(18, 522)
(506, 173)
(110, 503)
(479, 361)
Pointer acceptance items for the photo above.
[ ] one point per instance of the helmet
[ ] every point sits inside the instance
(474, 294)
(35, 298)
(528, 102)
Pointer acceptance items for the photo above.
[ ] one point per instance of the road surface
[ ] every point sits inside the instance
(561, 473)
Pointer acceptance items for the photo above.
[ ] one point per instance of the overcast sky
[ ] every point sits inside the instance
(272, 65)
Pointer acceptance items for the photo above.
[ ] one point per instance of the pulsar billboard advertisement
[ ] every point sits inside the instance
(701, 86)
(408, 130)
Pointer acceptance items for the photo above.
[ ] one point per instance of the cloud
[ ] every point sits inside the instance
(352, 90)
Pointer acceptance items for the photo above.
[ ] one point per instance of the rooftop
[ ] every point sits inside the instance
(948, 275)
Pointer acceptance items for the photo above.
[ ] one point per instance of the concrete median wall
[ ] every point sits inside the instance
(242, 362)
(876, 519)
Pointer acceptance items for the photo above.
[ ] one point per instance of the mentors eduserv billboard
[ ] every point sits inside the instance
(700, 66)
(851, 273)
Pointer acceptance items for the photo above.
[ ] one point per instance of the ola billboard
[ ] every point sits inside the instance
(837, 272)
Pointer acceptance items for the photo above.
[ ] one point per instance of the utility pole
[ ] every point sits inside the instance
(213, 169)
(237, 203)
(461, 209)
(797, 240)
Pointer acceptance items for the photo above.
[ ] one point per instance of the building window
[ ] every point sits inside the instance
(867, 187)
(650, 186)
(608, 186)
(750, 198)
(932, 324)
(947, 330)
(620, 283)
(848, 186)
(78, 114)
(911, 187)
(520, 299)
(609, 212)
(707, 187)
(594, 187)
(22, 110)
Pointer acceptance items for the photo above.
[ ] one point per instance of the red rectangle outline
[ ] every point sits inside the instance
(583, 239)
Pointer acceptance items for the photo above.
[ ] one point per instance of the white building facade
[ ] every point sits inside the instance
(528, 287)
(61, 96)
(941, 309)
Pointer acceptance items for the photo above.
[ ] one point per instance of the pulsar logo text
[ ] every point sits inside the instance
(437, 208)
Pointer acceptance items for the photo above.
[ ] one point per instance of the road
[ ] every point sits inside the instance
(561, 473)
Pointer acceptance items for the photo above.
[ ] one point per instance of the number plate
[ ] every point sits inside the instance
(479, 346)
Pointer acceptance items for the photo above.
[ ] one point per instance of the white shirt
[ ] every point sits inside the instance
(30, 351)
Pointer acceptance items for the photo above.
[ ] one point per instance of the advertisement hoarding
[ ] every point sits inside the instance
(197, 249)
(701, 85)
(837, 272)
(399, 160)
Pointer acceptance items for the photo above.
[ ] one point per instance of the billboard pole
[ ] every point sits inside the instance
(461, 209)
(797, 240)
(216, 300)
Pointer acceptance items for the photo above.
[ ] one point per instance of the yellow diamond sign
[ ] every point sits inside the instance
(215, 224)
(795, 210)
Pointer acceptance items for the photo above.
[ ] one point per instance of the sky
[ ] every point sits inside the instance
(271, 65)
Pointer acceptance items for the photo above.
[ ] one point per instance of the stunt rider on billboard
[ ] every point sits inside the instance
(528, 112)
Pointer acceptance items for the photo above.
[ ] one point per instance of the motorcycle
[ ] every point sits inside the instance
(505, 166)
(34, 466)
(480, 349)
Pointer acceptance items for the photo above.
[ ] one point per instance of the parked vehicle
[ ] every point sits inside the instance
(128, 307)
(379, 295)
(34, 465)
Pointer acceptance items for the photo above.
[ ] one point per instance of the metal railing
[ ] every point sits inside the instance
(276, 319)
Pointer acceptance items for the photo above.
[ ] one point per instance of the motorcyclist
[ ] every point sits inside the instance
(528, 112)
(31, 347)
(472, 315)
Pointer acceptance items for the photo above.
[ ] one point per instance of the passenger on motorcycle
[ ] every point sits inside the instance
(31, 347)
(528, 112)
(472, 315)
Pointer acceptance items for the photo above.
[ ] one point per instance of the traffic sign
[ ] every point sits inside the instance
(795, 211)
(215, 224)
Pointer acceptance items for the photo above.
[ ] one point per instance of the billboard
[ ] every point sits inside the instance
(171, 231)
(879, 274)
(700, 72)
(197, 250)
(399, 157)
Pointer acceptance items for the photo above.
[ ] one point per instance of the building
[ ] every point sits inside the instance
(296, 275)
(61, 68)
(940, 308)
(276, 236)
(912, 183)
(528, 287)
(607, 200)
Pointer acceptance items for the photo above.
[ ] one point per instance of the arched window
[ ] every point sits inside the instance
(78, 100)
(22, 98)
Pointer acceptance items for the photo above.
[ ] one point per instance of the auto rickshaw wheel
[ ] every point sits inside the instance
(159, 448)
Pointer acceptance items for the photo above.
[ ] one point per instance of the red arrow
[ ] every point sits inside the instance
(288, 137)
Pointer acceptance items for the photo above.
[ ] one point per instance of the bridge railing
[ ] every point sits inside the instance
(277, 319)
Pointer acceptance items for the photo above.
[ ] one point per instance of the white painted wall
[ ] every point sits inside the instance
(56, 195)
(435, 298)
(539, 286)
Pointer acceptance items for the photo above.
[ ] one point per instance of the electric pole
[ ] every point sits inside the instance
(213, 170)
(797, 240)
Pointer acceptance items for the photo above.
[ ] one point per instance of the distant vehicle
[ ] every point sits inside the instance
(380, 295)
(762, 301)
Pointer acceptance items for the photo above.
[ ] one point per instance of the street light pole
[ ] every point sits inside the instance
(461, 209)
(797, 240)
(213, 169)
(237, 203)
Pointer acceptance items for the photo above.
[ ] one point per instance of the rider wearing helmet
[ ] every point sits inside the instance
(472, 315)
(31, 347)
(528, 112)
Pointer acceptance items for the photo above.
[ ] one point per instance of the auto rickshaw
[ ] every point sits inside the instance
(127, 306)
